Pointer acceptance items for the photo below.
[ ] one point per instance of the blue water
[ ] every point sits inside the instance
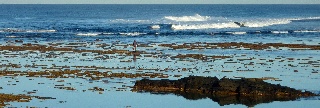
(106, 20)
(157, 24)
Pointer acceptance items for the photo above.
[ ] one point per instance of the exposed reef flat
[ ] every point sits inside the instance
(198, 45)
(97, 67)
(4, 98)
(236, 45)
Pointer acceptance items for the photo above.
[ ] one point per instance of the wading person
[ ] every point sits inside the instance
(135, 45)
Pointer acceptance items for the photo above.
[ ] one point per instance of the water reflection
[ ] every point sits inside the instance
(134, 55)
(134, 58)
(249, 101)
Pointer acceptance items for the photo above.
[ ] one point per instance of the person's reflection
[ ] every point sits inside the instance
(134, 57)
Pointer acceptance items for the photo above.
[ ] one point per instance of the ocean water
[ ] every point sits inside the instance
(154, 25)
(61, 21)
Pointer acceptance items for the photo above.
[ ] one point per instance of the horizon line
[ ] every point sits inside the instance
(164, 4)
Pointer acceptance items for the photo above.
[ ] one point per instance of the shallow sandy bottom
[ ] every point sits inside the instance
(99, 73)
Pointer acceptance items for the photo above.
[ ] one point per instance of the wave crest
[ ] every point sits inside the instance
(196, 17)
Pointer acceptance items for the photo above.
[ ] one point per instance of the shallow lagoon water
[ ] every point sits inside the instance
(300, 74)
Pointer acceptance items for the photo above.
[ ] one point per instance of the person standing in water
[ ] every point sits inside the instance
(135, 45)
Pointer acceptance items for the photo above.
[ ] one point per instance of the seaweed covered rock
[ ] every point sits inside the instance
(247, 91)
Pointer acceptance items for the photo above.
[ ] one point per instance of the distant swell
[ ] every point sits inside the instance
(309, 19)
(147, 30)
(268, 22)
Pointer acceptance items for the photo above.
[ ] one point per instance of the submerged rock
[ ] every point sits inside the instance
(247, 91)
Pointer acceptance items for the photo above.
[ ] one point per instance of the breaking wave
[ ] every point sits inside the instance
(197, 22)
(205, 26)
(195, 18)
(250, 24)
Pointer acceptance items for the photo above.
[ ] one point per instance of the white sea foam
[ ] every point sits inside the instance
(88, 34)
(270, 22)
(47, 30)
(196, 17)
(280, 32)
(306, 31)
(133, 34)
(24, 30)
(129, 21)
(308, 18)
(108, 33)
(239, 33)
(205, 26)
(155, 27)
(40, 31)
(11, 36)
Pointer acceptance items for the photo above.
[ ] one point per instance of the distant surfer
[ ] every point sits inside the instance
(240, 24)
(135, 45)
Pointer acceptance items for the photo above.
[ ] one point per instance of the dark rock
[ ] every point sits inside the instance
(247, 91)
(240, 24)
